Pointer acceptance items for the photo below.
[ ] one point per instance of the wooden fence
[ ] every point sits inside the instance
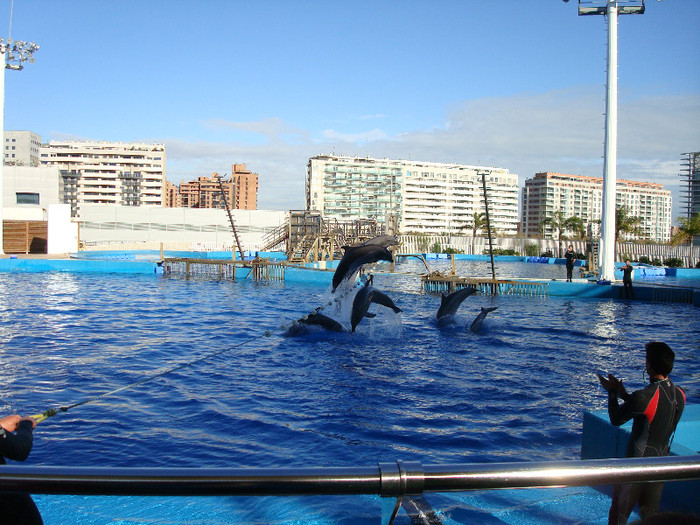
(24, 236)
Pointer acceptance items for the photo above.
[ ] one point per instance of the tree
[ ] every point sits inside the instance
(688, 229)
(559, 223)
(477, 223)
(626, 223)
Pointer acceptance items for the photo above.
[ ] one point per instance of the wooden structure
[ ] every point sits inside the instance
(258, 269)
(25, 236)
(437, 282)
(308, 236)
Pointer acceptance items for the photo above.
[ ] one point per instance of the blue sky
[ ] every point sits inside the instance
(518, 84)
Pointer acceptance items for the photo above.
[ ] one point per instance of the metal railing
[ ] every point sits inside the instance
(389, 480)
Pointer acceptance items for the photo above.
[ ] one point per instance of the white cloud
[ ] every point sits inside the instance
(555, 131)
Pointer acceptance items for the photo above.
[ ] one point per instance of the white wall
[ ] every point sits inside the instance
(25, 179)
(107, 223)
(62, 233)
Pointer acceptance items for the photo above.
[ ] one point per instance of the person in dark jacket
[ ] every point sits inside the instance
(655, 411)
(627, 271)
(570, 260)
(15, 443)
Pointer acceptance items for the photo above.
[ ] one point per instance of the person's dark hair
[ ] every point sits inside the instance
(660, 357)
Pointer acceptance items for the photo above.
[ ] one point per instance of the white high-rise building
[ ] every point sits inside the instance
(119, 173)
(426, 197)
(21, 148)
(580, 196)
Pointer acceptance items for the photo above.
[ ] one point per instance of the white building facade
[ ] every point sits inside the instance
(426, 197)
(116, 173)
(580, 196)
(21, 148)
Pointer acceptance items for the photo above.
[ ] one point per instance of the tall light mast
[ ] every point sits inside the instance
(611, 9)
(13, 53)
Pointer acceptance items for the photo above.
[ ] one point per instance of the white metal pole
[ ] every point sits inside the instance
(2, 141)
(607, 266)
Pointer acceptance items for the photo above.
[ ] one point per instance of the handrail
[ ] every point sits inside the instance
(385, 479)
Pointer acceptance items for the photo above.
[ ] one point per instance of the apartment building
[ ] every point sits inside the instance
(171, 195)
(581, 196)
(427, 197)
(246, 192)
(21, 148)
(205, 192)
(690, 179)
(127, 174)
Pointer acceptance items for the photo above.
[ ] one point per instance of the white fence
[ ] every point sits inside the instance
(480, 245)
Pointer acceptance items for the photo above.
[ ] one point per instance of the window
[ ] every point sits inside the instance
(27, 198)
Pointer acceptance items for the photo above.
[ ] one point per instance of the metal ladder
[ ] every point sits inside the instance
(230, 218)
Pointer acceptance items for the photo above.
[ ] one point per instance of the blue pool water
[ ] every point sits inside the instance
(401, 387)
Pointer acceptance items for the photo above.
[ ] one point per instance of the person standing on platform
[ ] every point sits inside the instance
(627, 271)
(15, 443)
(655, 411)
(570, 260)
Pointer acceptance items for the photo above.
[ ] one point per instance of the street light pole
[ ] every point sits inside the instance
(13, 53)
(611, 9)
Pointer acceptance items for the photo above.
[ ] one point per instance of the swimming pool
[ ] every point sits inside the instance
(399, 388)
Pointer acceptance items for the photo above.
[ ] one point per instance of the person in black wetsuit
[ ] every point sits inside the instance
(627, 270)
(570, 260)
(655, 411)
(15, 443)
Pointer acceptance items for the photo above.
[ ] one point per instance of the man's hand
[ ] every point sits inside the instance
(613, 384)
(10, 423)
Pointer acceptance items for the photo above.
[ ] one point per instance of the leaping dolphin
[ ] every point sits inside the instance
(315, 319)
(362, 301)
(476, 325)
(355, 257)
(450, 303)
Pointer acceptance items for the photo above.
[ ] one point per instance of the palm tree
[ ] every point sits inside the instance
(626, 224)
(559, 223)
(688, 229)
(477, 222)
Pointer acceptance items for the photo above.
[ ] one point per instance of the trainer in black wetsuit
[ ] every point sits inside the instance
(570, 261)
(655, 411)
(627, 270)
(16, 443)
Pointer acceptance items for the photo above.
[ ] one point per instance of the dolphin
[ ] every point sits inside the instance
(362, 301)
(476, 325)
(315, 319)
(355, 257)
(450, 303)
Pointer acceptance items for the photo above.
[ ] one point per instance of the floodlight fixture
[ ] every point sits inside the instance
(600, 7)
(16, 52)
